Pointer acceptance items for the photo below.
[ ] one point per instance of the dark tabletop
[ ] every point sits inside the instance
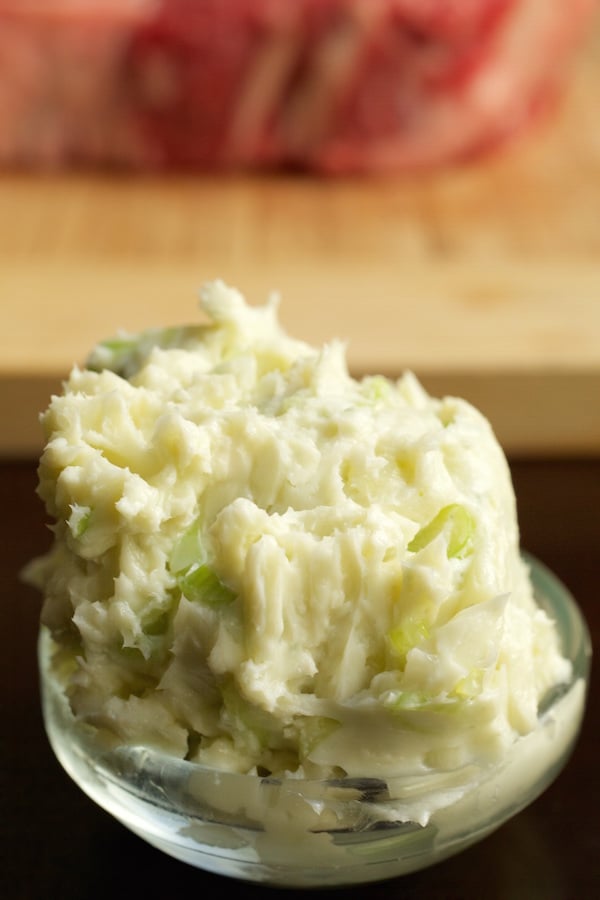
(57, 845)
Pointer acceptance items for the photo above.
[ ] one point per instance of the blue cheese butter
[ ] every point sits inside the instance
(263, 564)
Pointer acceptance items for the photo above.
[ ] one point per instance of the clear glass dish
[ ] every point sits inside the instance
(297, 833)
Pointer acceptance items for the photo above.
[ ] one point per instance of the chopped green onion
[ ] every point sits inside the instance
(410, 700)
(419, 701)
(79, 520)
(120, 345)
(200, 585)
(188, 550)
(156, 624)
(407, 635)
(460, 526)
(469, 686)
(376, 387)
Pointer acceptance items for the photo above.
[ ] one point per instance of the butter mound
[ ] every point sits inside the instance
(263, 564)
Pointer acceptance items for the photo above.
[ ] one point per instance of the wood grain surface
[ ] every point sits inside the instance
(484, 279)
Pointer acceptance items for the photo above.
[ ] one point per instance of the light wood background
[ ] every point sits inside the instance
(483, 279)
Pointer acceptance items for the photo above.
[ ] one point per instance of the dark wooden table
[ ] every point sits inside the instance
(57, 845)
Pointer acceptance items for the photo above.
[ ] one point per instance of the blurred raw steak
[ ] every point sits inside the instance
(325, 85)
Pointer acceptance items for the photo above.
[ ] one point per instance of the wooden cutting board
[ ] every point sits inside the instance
(485, 279)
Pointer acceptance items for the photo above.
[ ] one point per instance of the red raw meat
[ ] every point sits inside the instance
(332, 86)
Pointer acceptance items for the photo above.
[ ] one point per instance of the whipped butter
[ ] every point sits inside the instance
(263, 564)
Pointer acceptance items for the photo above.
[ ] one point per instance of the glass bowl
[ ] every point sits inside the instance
(297, 833)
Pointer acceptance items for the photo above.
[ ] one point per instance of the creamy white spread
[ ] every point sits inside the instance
(264, 564)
